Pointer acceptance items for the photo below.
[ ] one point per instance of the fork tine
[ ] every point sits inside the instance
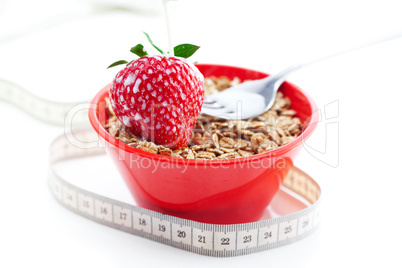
(213, 105)
(208, 101)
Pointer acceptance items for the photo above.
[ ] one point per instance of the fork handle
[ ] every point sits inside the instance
(280, 77)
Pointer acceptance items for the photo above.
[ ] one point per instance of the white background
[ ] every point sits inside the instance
(59, 50)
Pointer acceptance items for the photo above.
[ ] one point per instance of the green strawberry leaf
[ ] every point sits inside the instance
(139, 50)
(185, 50)
(119, 62)
(150, 41)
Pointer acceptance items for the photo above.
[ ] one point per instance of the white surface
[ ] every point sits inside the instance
(66, 61)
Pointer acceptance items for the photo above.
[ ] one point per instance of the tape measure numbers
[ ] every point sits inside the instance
(206, 239)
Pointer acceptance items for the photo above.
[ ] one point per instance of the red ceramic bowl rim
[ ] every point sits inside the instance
(306, 132)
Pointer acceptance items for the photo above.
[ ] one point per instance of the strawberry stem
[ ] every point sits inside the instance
(152, 43)
(119, 62)
(185, 50)
(139, 50)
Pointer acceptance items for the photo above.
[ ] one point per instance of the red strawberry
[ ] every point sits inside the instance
(158, 98)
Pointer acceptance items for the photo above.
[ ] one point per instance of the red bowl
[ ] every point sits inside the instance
(226, 191)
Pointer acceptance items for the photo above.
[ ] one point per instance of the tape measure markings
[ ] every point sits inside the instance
(44, 110)
(206, 239)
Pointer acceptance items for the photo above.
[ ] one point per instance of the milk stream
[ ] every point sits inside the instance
(167, 19)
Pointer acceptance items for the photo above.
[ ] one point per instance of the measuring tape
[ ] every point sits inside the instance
(202, 238)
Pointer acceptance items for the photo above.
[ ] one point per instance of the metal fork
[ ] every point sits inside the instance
(252, 98)
(248, 99)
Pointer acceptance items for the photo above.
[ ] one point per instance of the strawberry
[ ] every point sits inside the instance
(158, 97)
